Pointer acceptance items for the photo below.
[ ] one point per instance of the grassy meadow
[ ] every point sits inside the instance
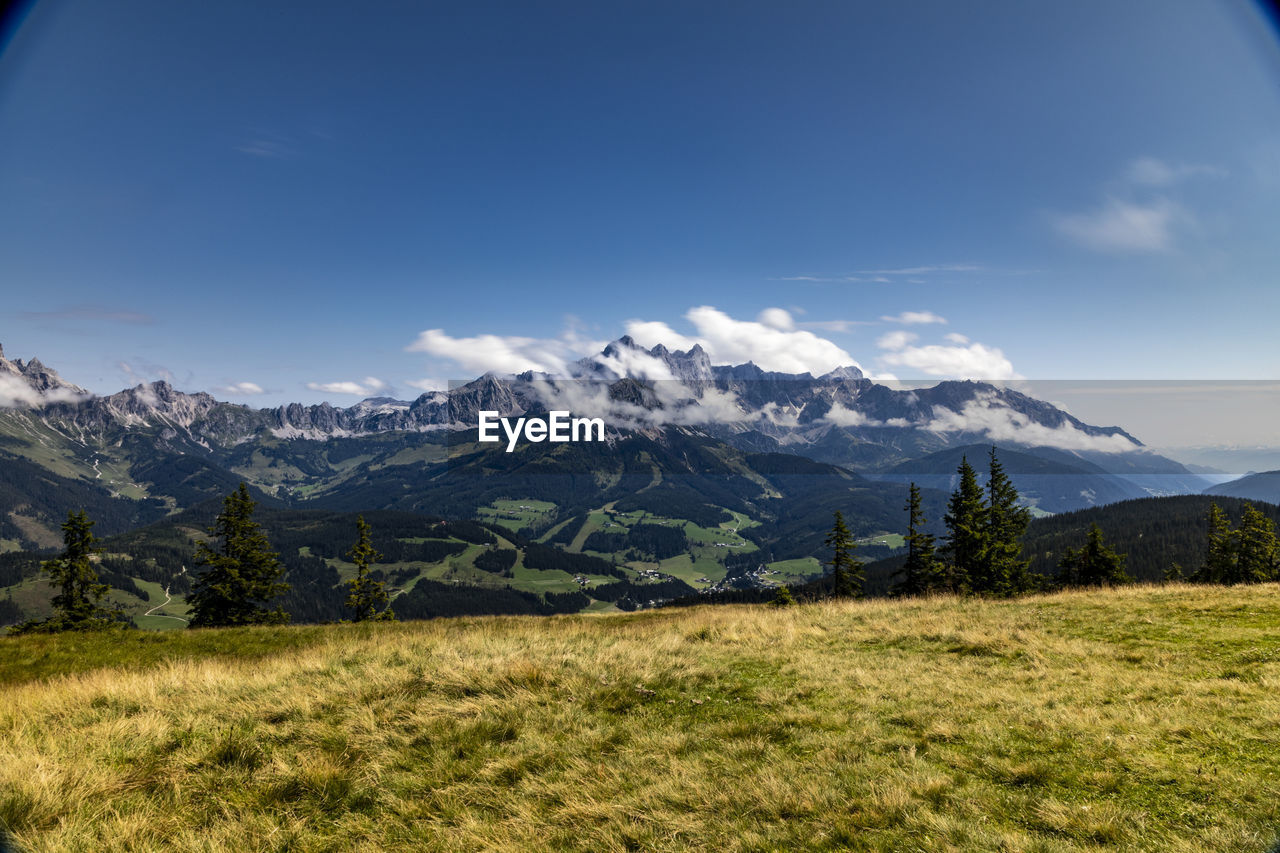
(1138, 719)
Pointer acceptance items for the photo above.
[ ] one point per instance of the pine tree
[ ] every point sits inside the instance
(923, 572)
(1220, 559)
(75, 606)
(242, 577)
(1256, 548)
(1093, 565)
(366, 597)
(846, 570)
(966, 522)
(783, 597)
(1004, 571)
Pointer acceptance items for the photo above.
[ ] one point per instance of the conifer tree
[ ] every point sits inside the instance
(923, 572)
(75, 606)
(1220, 559)
(1004, 571)
(783, 597)
(846, 570)
(366, 597)
(1256, 548)
(242, 577)
(966, 521)
(1093, 565)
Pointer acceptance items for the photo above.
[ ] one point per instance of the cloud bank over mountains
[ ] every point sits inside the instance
(773, 341)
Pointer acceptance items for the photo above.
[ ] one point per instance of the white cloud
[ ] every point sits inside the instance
(241, 389)
(840, 416)
(1152, 172)
(500, 354)
(650, 333)
(730, 341)
(896, 340)
(772, 341)
(429, 384)
(1122, 226)
(777, 318)
(15, 392)
(974, 361)
(956, 338)
(987, 415)
(370, 386)
(836, 325)
(911, 318)
(932, 268)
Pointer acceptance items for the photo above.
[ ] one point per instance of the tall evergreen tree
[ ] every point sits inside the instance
(1220, 558)
(846, 570)
(76, 605)
(1004, 571)
(923, 572)
(966, 521)
(1093, 565)
(366, 597)
(242, 577)
(1256, 548)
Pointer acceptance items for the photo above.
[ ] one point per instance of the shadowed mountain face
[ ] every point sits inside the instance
(1264, 486)
(155, 443)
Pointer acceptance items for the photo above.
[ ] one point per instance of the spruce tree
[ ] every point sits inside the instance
(846, 570)
(1256, 548)
(75, 606)
(966, 522)
(783, 597)
(1220, 559)
(242, 577)
(1004, 571)
(1093, 565)
(923, 572)
(366, 597)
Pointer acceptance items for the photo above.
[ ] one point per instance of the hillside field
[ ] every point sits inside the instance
(1142, 719)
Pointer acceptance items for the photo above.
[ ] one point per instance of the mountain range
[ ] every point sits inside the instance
(161, 449)
(711, 477)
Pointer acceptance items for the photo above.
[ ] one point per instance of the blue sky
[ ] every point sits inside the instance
(322, 200)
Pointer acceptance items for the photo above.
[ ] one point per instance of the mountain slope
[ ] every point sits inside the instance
(1264, 486)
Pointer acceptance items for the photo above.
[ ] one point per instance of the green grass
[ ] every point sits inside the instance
(889, 540)
(1142, 719)
(794, 571)
(514, 514)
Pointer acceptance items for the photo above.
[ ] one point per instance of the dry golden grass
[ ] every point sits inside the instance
(1140, 719)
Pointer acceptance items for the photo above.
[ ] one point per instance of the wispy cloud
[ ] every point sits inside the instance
(240, 389)
(910, 318)
(925, 270)
(1142, 212)
(143, 372)
(1123, 226)
(89, 312)
(879, 279)
(269, 146)
(842, 326)
(429, 384)
(1153, 172)
(896, 340)
(368, 387)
